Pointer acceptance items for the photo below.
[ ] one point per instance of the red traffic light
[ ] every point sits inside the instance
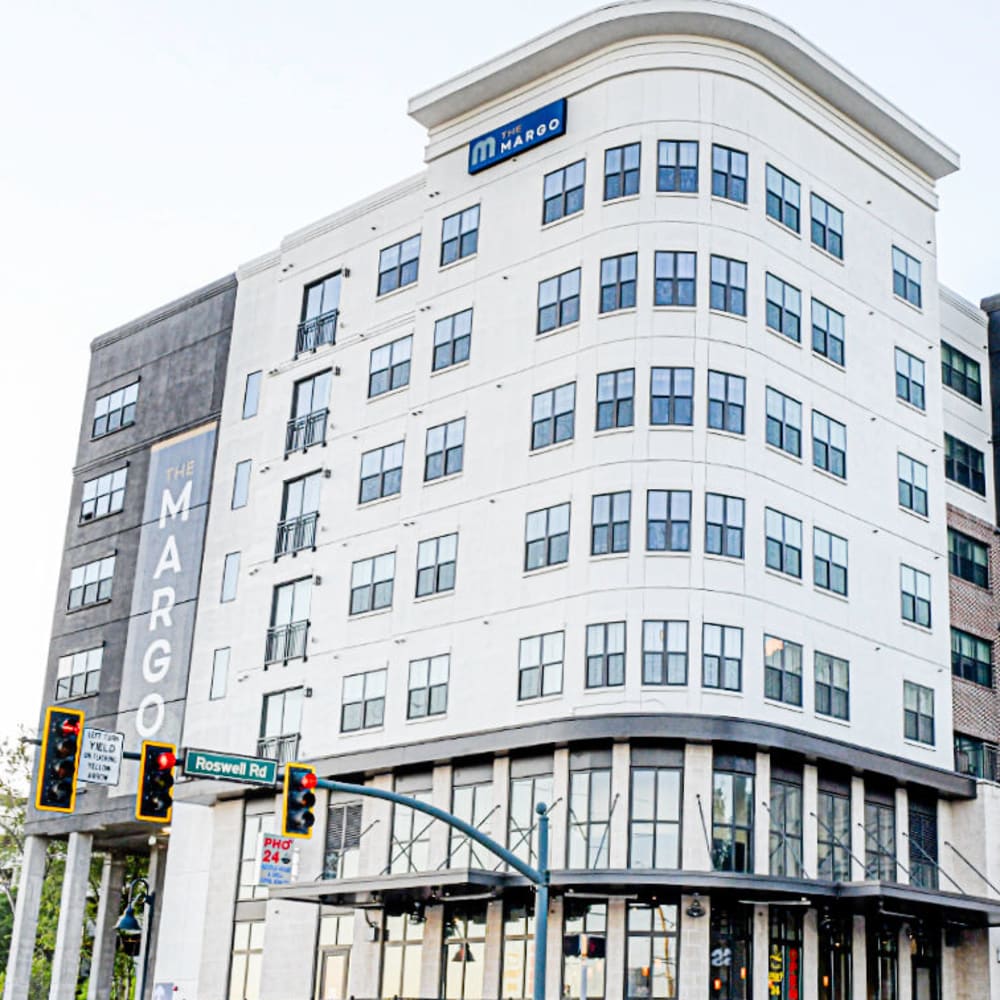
(70, 727)
(166, 760)
(308, 780)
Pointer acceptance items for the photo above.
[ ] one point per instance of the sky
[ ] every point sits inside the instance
(147, 149)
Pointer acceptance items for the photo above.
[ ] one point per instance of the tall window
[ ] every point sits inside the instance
(833, 690)
(251, 395)
(452, 340)
(785, 810)
(518, 970)
(830, 561)
(363, 704)
(230, 577)
(559, 301)
(783, 542)
(91, 583)
(910, 379)
(827, 229)
(79, 674)
(409, 848)
(912, 484)
(618, 275)
(464, 951)
(389, 367)
(445, 450)
(621, 171)
(829, 445)
(606, 655)
(398, 265)
(674, 283)
(729, 174)
(651, 951)
(590, 919)
(732, 815)
(783, 307)
(923, 838)
(610, 519)
(552, 416)
(527, 791)
(257, 816)
(834, 833)
(286, 638)
(906, 277)
(280, 725)
(828, 332)
(968, 558)
(299, 514)
(918, 713)
(782, 670)
(436, 559)
(784, 422)
(115, 410)
(310, 401)
(381, 472)
(883, 960)
(730, 951)
(402, 956)
(460, 235)
(961, 373)
(677, 166)
(540, 665)
(728, 286)
(562, 192)
(785, 953)
(664, 652)
(241, 485)
(783, 195)
(671, 396)
(668, 520)
(880, 836)
(616, 399)
(428, 687)
(726, 402)
(589, 819)
(320, 308)
(247, 959)
(372, 583)
(472, 801)
(964, 465)
(971, 657)
(724, 524)
(343, 840)
(103, 495)
(915, 595)
(655, 824)
(546, 537)
(722, 657)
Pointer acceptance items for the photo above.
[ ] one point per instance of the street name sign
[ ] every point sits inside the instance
(230, 767)
(101, 757)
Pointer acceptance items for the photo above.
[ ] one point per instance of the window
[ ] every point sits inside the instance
(606, 655)
(445, 450)
(247, 959)
(381, 472)
(912, 484)
(310, 400)
(452, 340)
(728, 286)
(103, 495)
(783, 542)
(664, 652)
(724, 521)
(828, 332)
(588, 918)
(726, 402)
(784, 951)
(785, 809)
(615, 399)
(230, 574)
(827, 226)
(342, 854)
(652, 951)
(674, 283)
(371, 583)
(409, 848)
(546, 537)
(609, 523)
(436, 565)
(220, 674)
(552, 416)
(79, 674)
(428, 689)
(472, 801)
(964, 465)
(280, 726)
(562, 192)
(782, 670)
(961, 373)
(299, 514)
(784, 307)
(286, 638)
(540, 666)
(618, 282)
(782, 198)
(364, 701)
(389, 367)
(559, 301)
(732, 818)
(91, 583)
(915, 591)
(729, 174)
(526, 792)
(730, 951)
(906, 276)
(975, 757)
(256, 816)
(460, 235)
(883, 960)
(923, 839)
(784, 422)
(830, 561)
(464, 952)
(655, 823)
(968, 558)
(251, 395)
(722, 657)
(880, 839)
(589, 818)
(677, 166)
(829, 445)
(320, 309)
(833, 678)
(833, 821)
(668, 520)
(971, 657)
(671, 396)
(241, 485)
(517, 974)
(621, 171)
(398, 265)
(918, 712)
(910, 378)
(115, 410)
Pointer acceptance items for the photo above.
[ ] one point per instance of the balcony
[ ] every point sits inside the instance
(295, 534)
(317, 331)
(286, 642)
(304, 432)
(283, 749)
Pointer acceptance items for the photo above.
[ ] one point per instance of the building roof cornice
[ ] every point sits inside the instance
(714, 19)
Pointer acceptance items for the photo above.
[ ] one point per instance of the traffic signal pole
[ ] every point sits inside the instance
(539, 877)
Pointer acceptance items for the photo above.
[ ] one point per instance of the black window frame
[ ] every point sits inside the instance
(918, 724)
(396, 372)
(728, 183)
(904, 285)
(452, 340)
(551, 542)
(787, 558)
(828, 332)
(605, 655)
(665, 652)
(610, 532)
(726, 294)
(557, 427)
(408, 268)
(721, 654)
(618, 290)
(783, 307)
(910, 493)
(828, 454)
(622, 180)
(565, 307)
(616, 410)
(459, 240)
(676, 406)
(964, 464)
(676, 530)
(962, 559)
(782, 682)
(377, 599)
(722, 409)
(569, 199)
(726, 858)
(828, 572)
(390, 478)
(826, 226)
(971, 665)
(915, 607)
(909, 387)
(109, 486)
(956, 369)
(831, 699)
(543, 668)
(432, 692)
(783, 422)
(779, 205)
(725, 537)
(117, 412)
(447, 457)
(437, 565)
(673, 174)
(372, 707)
(675, 279)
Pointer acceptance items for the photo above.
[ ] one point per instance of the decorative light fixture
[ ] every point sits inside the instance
(695, 910)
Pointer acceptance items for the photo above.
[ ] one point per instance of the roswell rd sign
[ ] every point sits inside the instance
(230, 767)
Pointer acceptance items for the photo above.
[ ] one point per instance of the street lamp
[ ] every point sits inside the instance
(131, 930)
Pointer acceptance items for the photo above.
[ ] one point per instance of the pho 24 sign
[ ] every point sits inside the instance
(278, 859)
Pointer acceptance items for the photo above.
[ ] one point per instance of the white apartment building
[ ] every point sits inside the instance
(601, 464)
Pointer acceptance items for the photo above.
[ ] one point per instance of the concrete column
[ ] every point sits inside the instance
(761, 945)
(501, 799)
(810, 953)
(902, 830)
(430, 965)
(696, 823)
(559, 817)
(859, 960)
(905, 979)
(29, 897)
(857, 828)
(76, 883)
(762, 818)
(615, 948)
(810, 828)
(693, 974)
(553, 970)
(622, 787)
(289, 946)
(109, 906)
(363, 973)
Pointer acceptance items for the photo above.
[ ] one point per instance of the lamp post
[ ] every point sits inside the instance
(129, 927)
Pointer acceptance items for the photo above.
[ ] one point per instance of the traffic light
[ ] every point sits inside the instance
(155, 798)
(296, 811)
(60, 759)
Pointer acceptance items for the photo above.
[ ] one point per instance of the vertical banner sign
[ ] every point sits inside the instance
(165, 595)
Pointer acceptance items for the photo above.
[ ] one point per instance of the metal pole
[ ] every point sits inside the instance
(149, 905)
(542, 903)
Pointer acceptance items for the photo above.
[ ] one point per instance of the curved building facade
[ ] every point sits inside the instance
(599, 465)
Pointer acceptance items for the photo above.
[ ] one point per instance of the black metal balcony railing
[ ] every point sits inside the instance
(316, 331)
(296, 533)
(283, 749)
(304, 432)
(286, 642)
